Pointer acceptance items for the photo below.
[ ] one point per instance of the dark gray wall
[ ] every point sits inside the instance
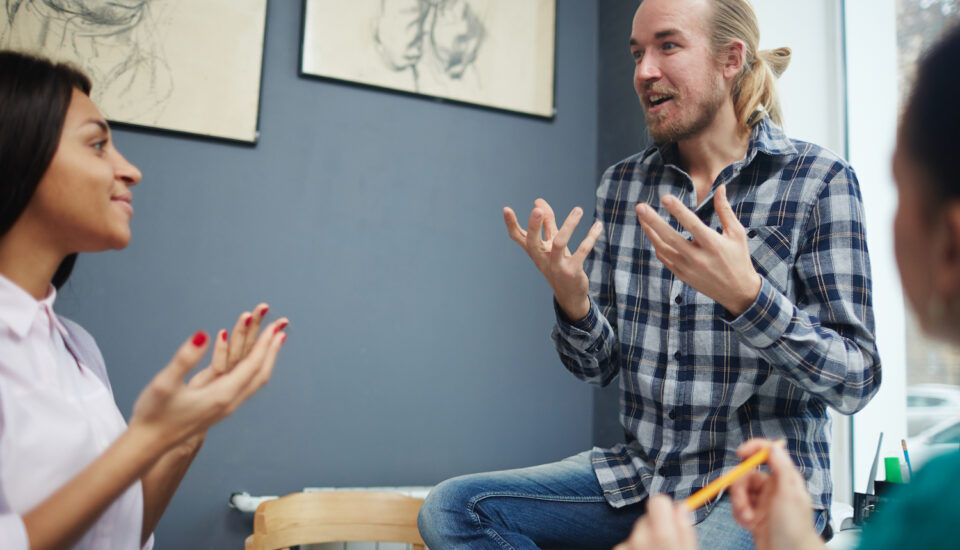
(621, 132)
(419, 345)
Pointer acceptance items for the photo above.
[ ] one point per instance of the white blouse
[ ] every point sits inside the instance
(57, 414)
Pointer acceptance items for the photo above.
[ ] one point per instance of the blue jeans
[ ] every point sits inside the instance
(558, 505)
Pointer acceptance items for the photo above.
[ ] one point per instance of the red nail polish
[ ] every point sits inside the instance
(200, 338)
(280, 327)
(264, 312)
(248, 321)
(223, 336)
(283, 338)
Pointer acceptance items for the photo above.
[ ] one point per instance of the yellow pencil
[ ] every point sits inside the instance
(699, 498)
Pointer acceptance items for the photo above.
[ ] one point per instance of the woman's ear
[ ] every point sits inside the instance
(946, 261)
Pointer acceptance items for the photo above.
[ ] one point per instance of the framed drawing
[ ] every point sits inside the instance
(495, 53)
(184, 65)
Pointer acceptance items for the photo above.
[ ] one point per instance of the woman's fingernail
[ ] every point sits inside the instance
(200, 338)
(223, 335)
(283, 338)
(264, 312)
(280, 327)
(248, 321)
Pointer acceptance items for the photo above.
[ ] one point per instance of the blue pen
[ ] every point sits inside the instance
(906, 455)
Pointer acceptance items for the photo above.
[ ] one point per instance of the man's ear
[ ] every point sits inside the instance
(733, 59)
(946, 260)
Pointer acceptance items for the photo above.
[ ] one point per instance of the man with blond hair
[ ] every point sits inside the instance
(725, 280)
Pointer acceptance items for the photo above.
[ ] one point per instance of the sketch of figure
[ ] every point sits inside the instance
(439, 37)
(113, 41)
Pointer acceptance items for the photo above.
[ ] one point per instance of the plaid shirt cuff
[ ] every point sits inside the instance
(766, 320)
(587, 330)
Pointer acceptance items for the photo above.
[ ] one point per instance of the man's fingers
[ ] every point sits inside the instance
(549, 219)
(728, 219)
(664, 251)
(588, 242)
(562, 237)
(517, 233)
(690, 221)
(654, 225)
(534, 227)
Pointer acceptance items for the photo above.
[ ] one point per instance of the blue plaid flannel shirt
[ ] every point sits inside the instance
(695, 382)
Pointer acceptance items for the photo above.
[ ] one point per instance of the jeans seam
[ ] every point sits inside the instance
(557, 498)
(491, 532)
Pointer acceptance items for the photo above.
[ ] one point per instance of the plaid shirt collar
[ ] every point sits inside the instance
(765, 137)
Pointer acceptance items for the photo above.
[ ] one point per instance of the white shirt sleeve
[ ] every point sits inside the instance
(13, 533)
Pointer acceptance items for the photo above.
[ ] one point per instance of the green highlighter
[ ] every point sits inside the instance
(892, 466)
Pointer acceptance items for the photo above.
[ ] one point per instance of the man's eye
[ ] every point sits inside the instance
(638, 55)
(669, 45)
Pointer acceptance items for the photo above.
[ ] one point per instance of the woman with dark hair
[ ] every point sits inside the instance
(73, 474)
(775, 505)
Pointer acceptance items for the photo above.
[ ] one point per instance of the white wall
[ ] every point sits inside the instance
(811, 89)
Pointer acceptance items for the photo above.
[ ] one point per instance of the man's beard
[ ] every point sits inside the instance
(681, 128)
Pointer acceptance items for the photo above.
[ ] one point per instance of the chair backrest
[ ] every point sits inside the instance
(335, 516)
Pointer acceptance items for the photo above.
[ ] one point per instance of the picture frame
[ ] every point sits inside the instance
(191, 66)
(492, 53)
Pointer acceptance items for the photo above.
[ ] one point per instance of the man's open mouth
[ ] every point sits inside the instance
(659, 100)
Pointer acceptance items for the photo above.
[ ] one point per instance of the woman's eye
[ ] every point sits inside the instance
(100, 145)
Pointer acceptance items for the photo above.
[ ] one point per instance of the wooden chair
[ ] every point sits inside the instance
(335, 516)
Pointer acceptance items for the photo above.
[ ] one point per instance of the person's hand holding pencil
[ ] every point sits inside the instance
(666, 526)
(774, 506)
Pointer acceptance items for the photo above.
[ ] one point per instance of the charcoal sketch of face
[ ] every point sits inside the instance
(113, 41)
(439, 36)
(111, 13)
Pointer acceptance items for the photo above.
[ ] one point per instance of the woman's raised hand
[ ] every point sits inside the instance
(171, 409)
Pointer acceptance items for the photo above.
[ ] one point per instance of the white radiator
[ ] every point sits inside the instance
(247, 503)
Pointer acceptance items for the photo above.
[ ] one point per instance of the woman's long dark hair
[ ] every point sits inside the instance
(34, 97)
(930, 130)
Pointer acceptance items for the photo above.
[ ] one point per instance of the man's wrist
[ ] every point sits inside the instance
(576, 312)
(747, 299)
